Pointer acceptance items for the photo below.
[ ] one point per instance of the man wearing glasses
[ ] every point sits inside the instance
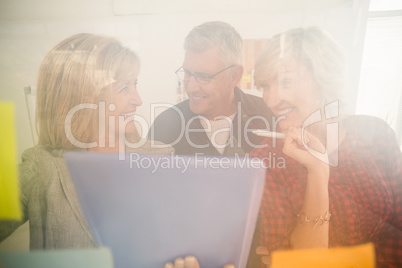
(217, 118)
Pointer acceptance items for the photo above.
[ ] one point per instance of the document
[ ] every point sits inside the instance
(150, 209)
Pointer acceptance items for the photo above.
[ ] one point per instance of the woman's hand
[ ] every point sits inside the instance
(188, 262)
(306, 149)
(311, 153)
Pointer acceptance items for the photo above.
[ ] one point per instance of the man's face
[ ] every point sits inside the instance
(215, 98)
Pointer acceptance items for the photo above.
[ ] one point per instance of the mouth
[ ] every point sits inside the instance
(128, 114)
(284, 112)
(197, 97)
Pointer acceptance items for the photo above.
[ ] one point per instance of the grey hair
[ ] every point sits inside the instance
(214, 33)
(312, 47)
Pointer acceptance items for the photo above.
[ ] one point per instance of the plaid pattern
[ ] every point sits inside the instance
(365, 192)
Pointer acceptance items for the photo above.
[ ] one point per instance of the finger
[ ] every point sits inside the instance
(179, 263)
(261, 250)
(293, 136)
(292, 141)
(300, 139)
(229, 266)
(191, 262)
(312, 141)
(169, 265)
(266, 260)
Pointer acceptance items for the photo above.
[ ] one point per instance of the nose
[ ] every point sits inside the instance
(272, 96)
(135, 98)
(191, 84)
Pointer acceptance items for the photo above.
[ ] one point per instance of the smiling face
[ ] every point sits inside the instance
(121, 102)
(126, 99)
(217, 97)
(292, 94)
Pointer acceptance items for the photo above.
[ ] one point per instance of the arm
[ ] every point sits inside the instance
(26, 173)
(316, 198)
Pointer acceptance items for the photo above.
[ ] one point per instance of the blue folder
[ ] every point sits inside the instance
(150, 209)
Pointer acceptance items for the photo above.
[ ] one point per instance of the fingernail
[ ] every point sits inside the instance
(261, 250)
(179, 263)
(189, 260)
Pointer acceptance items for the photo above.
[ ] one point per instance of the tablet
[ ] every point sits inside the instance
(150, 209)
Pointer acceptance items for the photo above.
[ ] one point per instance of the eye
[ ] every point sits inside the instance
(286, 82)
(124, 89)
(202, 77)
(263, 87)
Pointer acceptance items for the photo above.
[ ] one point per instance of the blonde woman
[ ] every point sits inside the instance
(342, 181)
(86, 100)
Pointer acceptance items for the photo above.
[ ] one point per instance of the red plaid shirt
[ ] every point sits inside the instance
(365, 192)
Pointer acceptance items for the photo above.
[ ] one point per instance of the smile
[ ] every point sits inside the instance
(285, 111)
(197, 97)
(128, 114)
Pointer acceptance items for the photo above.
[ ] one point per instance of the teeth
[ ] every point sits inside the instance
(128, 114)
(197, 97)
(283, 112)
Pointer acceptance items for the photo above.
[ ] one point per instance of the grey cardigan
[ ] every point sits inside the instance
(50, 203)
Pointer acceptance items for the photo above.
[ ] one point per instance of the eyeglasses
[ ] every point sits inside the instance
(201, 78)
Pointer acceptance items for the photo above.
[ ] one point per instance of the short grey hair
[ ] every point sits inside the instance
(312, 47)
(214, 33)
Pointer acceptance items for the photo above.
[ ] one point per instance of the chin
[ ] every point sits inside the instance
(130, 129)
(197, 110)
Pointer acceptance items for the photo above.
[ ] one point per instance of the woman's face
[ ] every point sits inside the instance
(292, 94)
(121, 106)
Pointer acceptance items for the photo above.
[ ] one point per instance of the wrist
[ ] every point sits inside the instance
(321, 220)
(319, 171)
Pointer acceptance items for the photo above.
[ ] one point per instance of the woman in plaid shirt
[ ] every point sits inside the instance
(341, 181)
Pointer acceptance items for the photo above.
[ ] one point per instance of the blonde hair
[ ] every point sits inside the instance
(76, 71)
(212, 33)
(313, 48)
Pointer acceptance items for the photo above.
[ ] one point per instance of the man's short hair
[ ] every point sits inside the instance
(213, 33)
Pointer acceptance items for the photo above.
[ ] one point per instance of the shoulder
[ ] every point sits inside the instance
(368, 127)
(40, 165)
(372, 133)
(168, 125)
(40, 155)
(181, 109)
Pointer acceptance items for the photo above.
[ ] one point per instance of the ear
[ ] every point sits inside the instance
(237, 73)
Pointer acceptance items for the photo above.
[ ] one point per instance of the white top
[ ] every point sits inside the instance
(219, 131)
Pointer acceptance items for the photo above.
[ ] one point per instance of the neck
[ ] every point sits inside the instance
(226, 109)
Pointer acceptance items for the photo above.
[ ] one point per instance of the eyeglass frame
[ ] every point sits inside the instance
(209, 77)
